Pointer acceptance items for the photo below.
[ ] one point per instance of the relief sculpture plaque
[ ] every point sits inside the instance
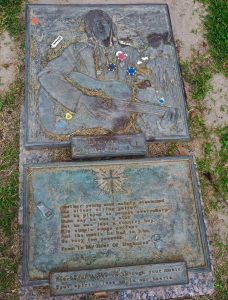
(112, 216)
(101, 70)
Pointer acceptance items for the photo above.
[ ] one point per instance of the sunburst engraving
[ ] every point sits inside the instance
(110, 181)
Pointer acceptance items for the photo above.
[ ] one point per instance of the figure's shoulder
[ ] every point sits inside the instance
(77, 48)
(81, 46)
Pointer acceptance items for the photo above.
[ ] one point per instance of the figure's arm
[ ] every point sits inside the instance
(110, 88)
(66, 86)
(52, 79)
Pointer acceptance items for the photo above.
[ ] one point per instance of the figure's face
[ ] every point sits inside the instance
(102, 30)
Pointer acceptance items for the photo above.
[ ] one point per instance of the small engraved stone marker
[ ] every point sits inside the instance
(108, 146)
(67, 283)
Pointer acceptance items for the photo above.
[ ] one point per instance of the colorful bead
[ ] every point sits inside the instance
(35, 21)
(112, 67)
(121, 56)
(131, 71)
(161, 101)
(61, 124)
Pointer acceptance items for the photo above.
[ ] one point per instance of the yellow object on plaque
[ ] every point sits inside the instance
(69, 116)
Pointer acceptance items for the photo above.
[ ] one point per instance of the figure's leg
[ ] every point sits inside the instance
(113, 118)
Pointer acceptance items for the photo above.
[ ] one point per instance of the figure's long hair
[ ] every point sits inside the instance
(89, 19)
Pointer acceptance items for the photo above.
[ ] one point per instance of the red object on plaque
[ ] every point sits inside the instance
(35, 21)
(121, 56)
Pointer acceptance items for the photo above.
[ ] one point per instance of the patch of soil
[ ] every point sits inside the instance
(8, 61)
(219, 221)
(217, 103)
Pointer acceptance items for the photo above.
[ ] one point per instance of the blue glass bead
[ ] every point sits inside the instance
(61, 124)
(131, 71)
(112, 67)
(162, 101)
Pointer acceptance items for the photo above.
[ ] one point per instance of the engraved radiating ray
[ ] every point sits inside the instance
(110, 181)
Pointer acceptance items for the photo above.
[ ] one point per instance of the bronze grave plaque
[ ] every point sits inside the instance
(96, 70)
(117, 214)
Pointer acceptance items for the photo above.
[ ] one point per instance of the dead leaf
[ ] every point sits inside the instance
(192, 114)
(101, 294)
(182, 150)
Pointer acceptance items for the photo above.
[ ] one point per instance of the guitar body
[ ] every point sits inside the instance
(54, 116)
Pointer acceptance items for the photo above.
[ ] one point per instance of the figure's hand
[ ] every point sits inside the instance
(169, 118)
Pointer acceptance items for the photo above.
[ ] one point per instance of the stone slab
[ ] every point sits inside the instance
(70, 90)
(201, 282)
(108, 146)
(70, 283)
(93, 215)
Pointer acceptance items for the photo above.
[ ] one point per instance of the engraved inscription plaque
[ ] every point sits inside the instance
(108, 146)
(102, 70)
(118, 278)
(102, 215)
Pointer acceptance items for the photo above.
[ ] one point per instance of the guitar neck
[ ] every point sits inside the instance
(145, 108)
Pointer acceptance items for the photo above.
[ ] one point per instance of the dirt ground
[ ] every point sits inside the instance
(8, 62)
(188, 34)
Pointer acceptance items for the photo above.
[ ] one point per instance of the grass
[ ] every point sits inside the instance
(198, 73)
(221, 171)
(10, 20)
(8, 217)
(8, 188)
(213, 170)
(198, 127)
(221, 284)
(8, 266)
(15, 89)
(8, 204)
(10, 17)
(216, 32)
(172, 149)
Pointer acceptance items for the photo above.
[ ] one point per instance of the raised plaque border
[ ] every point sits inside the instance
(196, 190)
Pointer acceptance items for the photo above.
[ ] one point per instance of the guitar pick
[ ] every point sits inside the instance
(131, 71)
(112, 67)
